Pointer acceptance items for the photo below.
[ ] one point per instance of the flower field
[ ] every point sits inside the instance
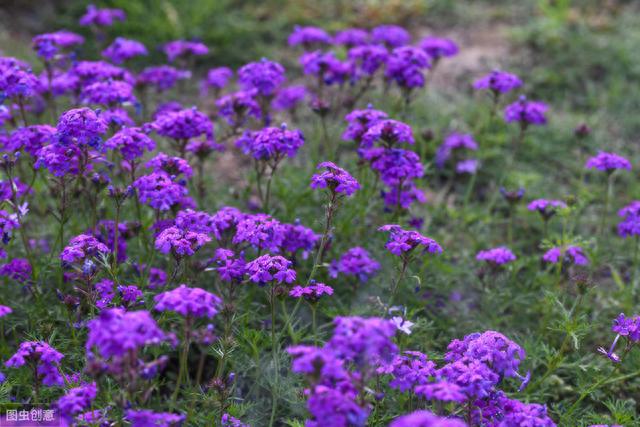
(364, 225)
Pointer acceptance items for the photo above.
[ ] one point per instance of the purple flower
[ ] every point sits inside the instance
(48, 45)
(403, 195)
(131, 143)
(368, 59)
(297, 237)
(351, 37)
(500, 354)
(573, 254)
(408, 369)
(469, 166)
(183, 124)
(271, 143)
(76, 400)
(188, 302)
(31, 138)
(325, 66)
(172, 166)
(406, 66)
(121, 50)
(237, 107)
(109, 93)
(334, 178)
(147, 418)
(526, 112)
(225, 219)
(183, 48)
(229, 421)
(102, 17)
(453, 143)
(260, 231)
(390, 36)
(311, 292)
(424, 418)
(180, 242)
(4, 310)
(607, 162)
(230, 268)
(623, 326)
(88, 72)
(630, 225)
(332, 407)
(359, 122)
(17, 83)
(498, 82)
(437, 47)
(116, 332)
(496, 256)
(403, 242)
(80, 126)
(363, 341)
(500, 411)
(17, 269)
(546, 208)
(308, 37)
(387, 132)
(130, 294)
(44, 358)
(159, 191)
(442, 390)
(288, 98)
(355, 262)
(82, 247)
(218, 78)
(395, 165)
(267, 269)
(162, 77)
(264, 76)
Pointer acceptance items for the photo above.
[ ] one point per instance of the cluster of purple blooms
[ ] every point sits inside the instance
(497, 256)
(453, 148)
(627, 328)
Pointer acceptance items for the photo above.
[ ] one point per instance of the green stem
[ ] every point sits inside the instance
(327, 227)
(274, 353)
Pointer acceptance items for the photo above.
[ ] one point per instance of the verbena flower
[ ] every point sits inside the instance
(312, 292)
(82, 247)
(469, 166)
(406, 65)
(424, 418)
(230, 268)
(367, 59)
(359, 122)
(498, 82)
(351, 37)
(441, 390)
(31, 138)
(4, 310)
(48, 45)
(236, 108)
(218, 77)
(268, 268)
(308, 37)
(500, 411)
(101, 17)
(438, 47)
(454, 143)
(162, 77)
(229, 421)
(171, 165)
(184, 48)
(131, 143)
(121, 50)
(402, 242)
(76, 400)
(607, 162)
(526, 112)
(180, 242)
(390, 35)
(387, 132)
(159, 191)
(546, 208)
(88, 72)
(496, 256)
(335, 179)
(325, 66)
(355, 262)
(109, 93)
(626, 327)
(408, 369)
(297, 237)
(183, 124)
(264, 76)
(17, 83)
(630, 224)
(188, 302)
(363, 341)
(289, 98)
(573, 254)
(80, 126)
(18, 269)
(260, 231)
(116, 332)
(148, 418)
(403, 195)
(44, 358)
(271, 143)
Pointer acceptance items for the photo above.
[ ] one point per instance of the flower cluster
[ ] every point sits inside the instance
(402, 242)
(355, 262)
(335, 179)
(188, 302)
(44, 359)
(496, 256)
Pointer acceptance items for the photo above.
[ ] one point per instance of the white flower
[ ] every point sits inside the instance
(403, 325)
